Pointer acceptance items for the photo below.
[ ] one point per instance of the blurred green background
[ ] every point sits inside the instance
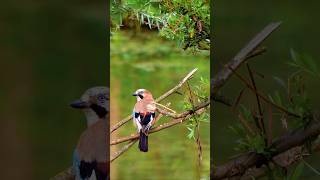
(236, 22)
(144, 60)
(51, 52)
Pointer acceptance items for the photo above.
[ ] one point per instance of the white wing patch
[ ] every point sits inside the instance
(93, 176)
(136, 122)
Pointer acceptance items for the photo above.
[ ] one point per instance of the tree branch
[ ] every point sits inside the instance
(179, 119)
(285, 142)
(123, 149)
(263, 97)
(242, 166)
(185, 113)
(165, 95)
(249, 51)
(222, 99)
(127, 146)
(65, 175)
(260, 118)
(283, 160)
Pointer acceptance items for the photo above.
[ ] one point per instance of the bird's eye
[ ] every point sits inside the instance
(101, 98)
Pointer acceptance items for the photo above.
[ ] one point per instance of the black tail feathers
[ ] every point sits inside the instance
(143, 142)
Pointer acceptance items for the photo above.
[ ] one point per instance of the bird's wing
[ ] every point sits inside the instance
(76, 165)
(150, 119)
(136, 119)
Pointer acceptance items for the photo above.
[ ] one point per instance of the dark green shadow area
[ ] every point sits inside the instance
(51, 52)
(235, 23)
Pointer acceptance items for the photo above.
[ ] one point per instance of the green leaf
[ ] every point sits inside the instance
(280, 82)
(305, 63)
(297, 171)
(191, 133)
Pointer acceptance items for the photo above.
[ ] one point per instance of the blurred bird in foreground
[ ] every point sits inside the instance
(144, 116)
(90, 155)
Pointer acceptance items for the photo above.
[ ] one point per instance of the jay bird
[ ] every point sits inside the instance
(143, 116)
(90, 155)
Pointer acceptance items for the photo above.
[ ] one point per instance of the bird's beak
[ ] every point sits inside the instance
(134, 94)
(78, 104)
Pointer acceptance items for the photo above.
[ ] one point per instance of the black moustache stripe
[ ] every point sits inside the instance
(101, 111)
(140, 96)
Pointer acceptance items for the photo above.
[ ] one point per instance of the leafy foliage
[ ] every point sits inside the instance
(304, 63)
(187, 22)
(199, 94)
(295, 100)
(248, 142)
(184, 21)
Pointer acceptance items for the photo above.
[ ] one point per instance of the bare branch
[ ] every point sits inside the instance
(165, 95)
(222, 99)
(285, 142)
(283, 160)
(122, 150)
(127, 146)
(263, 97)
(249, 51)
(184, 116)
(173, 90)
(245, 124)
(260, 118)
(185, 113)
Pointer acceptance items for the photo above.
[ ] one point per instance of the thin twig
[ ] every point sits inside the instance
(269, 132)
(160, 115)
(237, 101)
(312, 168)
(165, 107)
(185, 113)
(173, 90)
(198, 140)
(122, 150)
(246, 125)
(263, 97)
(260, 118)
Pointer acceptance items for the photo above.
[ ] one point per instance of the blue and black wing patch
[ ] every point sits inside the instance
(87, 168)
(146, 118)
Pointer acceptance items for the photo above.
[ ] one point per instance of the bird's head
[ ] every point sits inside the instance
(142, 94)
(94, 102)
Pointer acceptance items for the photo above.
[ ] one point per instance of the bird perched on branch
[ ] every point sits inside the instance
(144, 116)
(90, 155)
